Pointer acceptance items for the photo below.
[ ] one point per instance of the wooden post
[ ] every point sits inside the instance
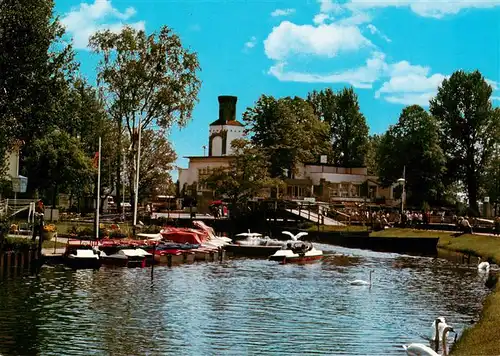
(169, 260)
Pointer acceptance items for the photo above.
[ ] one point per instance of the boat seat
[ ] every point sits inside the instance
(85, 254)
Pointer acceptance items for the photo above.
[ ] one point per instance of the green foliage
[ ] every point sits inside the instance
(17, 244)
(469, 128)
(157, 157)
(150, 78)
(288, 132)
(35, 66)
(56, 163)
(245, 177)
(347, 125)
(371, 154)
(413, 144)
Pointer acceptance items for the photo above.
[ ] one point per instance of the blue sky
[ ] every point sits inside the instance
(393, 52)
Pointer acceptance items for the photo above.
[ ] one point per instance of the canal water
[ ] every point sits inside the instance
(239, 307)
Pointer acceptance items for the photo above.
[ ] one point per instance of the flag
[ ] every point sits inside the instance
(95, 160)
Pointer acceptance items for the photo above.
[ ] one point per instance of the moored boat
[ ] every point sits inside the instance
(127, 257)
(82, 257)
(297, 251)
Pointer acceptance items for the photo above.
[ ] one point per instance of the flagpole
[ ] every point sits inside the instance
(98, 190)
(137, 177)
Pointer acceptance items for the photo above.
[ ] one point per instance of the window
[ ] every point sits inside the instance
(355, 190)
(344, 192)
(334, 190)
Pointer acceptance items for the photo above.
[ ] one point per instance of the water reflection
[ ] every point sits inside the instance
(239, 307)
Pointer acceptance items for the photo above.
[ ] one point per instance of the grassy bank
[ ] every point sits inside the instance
(483, 338)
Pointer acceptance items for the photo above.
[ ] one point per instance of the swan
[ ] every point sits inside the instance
(416, 349)
(295, 237)
(436, 328)
(360, 282)
(483, 266)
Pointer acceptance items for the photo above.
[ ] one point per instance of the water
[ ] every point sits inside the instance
(239, 307)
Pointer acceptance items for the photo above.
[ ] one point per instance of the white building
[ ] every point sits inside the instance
(221, 133)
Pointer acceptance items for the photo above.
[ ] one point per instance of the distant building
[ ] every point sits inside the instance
(324, 182)
(336, 185)
(221, 133)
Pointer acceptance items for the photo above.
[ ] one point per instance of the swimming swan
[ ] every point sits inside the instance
(360, 282)
(483, 266)
(416, 349)
(295, 237)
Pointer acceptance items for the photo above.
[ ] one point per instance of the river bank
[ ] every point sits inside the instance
(483, 338)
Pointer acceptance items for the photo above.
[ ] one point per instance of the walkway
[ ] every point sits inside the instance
(311, 216)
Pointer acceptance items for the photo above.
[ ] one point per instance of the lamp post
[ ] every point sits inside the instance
(402, 181)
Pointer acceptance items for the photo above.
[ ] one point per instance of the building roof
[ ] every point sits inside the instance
(222, 122)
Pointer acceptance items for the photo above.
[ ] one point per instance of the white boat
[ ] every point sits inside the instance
(256, 239)
(82, 256)
(295, 251)
(128, 257)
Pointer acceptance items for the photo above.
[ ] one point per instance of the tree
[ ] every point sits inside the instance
(60, 164)
(288, 132)
(371, 154)
(87, 121)
(347, 125)
(36, 65)
(157, 157)
(469, 128)
(149, 79)
(413, 144)
(492, 179)
(245, 177)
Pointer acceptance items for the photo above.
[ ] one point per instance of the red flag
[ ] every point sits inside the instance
(95, 160)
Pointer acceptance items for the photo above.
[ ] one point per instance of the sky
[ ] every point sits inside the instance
(393, 52)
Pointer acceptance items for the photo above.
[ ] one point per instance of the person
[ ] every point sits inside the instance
(497, 225)
(40, 208)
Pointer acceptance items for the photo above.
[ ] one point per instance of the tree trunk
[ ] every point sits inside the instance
(472, 193)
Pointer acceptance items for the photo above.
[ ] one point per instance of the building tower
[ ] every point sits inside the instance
(225, 129)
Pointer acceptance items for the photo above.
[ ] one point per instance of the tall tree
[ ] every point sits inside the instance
(348, 128)
(469, 128)
(35, 66)
(413, 144)
(288, 131)
(151, 79)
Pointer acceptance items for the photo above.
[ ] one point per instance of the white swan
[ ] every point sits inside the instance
(360, 282)
(295, 237)
(483, 266)
(436, 328)
(416, 349)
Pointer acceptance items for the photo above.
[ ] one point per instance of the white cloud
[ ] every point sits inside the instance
(282, 12)
(86, 19)
(492, 83)
(329, 7)
(421, 99)
(376, 31)
(426, 8)
(362, 77)
(320, 18)
(325, 40)
(251, 43)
